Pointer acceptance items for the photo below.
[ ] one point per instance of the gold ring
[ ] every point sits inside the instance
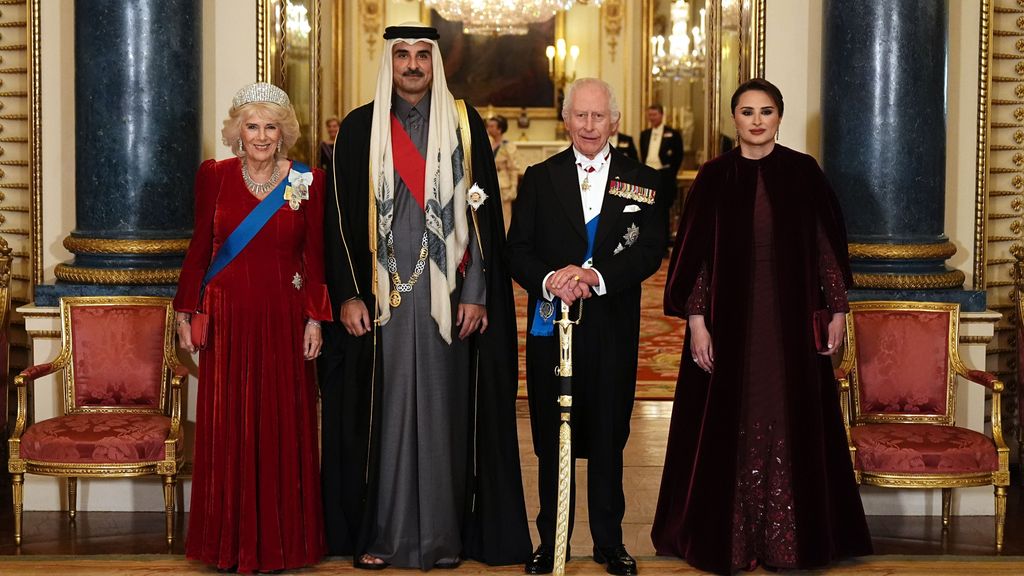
(576, 277)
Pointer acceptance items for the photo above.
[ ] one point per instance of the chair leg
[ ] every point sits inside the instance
(947, 501)
(169, 482)
(72, 483)
(1000, 516)
(17, 486)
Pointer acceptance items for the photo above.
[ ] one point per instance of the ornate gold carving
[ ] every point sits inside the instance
(950, 279)
(1018, 158)
(903, 251)
(612, 14)
(1019, 68)
(1019, 45)
(372, 13)
(975, 339)
(132, 276)
(80, 245)
(1018, 91)
(50, 334)
(1018, 137)
(1020, 22)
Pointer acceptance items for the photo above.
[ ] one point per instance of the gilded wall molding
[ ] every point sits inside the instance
(130, 276)
(371, 13)
(80, 245)
(981, 173)
(35, 141)
(613, 16)
(902, 251)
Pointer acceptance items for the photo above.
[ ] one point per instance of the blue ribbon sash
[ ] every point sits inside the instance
(250, 226)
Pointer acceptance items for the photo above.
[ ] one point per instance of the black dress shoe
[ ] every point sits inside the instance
(542, 561)
(449, 563)
(616, 560)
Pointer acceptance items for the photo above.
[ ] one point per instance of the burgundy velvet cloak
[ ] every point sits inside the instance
(694, 519)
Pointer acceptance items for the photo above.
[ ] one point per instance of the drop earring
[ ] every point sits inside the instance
(241, 147)
(278, 146)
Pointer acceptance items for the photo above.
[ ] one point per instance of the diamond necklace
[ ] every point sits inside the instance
(260, 189)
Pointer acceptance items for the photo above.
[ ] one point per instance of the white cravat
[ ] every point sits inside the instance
(593, 176)
(654, 146)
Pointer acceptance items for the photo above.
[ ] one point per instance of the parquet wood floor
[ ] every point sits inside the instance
(905, 545)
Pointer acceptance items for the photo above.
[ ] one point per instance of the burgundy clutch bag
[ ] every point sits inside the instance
(820, 320)
(200, 329)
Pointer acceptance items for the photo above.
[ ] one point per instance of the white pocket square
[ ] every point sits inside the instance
(631, 208)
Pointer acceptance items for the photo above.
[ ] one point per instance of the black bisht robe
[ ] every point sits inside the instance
(694, 519)
(495, 529)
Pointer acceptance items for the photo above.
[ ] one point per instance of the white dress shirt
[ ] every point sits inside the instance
(594, 171)
(654, 146)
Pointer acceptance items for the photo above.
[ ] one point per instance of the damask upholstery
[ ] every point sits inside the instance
(923, 449)
(898, 381)
(124, 364)
(97, 438)
(120, 384)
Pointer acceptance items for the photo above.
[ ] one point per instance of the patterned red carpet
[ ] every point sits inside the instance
(661, 339)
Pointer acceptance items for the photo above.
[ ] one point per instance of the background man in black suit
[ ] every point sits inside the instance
(590, 224)
(666, 153)
(624, 143)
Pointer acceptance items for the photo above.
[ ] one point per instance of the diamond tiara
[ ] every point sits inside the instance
(261, 92)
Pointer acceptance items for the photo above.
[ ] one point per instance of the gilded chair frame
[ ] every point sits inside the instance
(174, 376)
(847, 376)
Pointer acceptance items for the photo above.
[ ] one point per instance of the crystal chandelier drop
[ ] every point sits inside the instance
(674, 57)
(498, 17)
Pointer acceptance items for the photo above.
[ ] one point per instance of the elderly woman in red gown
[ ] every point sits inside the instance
(757, 470)
(256, 483)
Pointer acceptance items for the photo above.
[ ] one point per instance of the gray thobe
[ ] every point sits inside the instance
(424, 395)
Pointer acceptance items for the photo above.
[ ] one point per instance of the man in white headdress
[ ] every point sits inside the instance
(421, 462)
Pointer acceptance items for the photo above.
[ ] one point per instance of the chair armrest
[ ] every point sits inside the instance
(35, 372)
(986, 379)
(842, 373)
(21, 381)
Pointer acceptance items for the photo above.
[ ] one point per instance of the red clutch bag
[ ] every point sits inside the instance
(820, 321)
(200, 329)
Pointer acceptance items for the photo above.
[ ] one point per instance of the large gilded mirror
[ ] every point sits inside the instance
(288, 55)
(699, 51)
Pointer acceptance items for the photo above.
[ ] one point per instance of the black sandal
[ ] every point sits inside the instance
(363, 565)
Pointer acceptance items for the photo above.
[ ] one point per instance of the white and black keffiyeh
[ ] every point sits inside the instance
(444, 189)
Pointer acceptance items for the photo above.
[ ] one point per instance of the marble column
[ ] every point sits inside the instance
(884, 145)
(138, 70)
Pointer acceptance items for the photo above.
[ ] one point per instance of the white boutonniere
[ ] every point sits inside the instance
(476, 196)
(298, 188)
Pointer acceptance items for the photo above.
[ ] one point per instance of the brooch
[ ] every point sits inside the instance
(298, 188)
(547, 309)
(297, 281)
(475, 196)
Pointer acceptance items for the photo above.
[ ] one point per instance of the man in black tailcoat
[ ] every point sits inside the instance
(590, 225)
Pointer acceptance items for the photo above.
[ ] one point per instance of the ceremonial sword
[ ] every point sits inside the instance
(564, 371)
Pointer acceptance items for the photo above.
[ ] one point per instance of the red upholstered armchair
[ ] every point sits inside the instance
(121, 393)
(898, 381)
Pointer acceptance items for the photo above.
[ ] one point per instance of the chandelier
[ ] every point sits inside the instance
(501, 17)
(675, 57)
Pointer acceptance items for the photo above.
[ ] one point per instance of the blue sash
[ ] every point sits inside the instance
(546, 326)
(250, 226)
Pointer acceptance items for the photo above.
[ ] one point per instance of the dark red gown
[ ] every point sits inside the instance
(256, 481)
(757, 470)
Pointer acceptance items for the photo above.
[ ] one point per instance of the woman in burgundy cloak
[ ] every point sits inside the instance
(757, 470)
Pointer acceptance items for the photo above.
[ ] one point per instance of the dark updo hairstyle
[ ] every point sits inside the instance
(502, 122)
(761, 85)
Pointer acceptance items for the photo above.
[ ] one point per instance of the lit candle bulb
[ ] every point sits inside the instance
(574, 53)
(550, 53)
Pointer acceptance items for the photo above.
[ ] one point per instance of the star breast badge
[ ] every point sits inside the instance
(297, 281)
(632, 233)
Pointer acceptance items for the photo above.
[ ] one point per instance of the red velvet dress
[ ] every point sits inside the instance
(256, 481)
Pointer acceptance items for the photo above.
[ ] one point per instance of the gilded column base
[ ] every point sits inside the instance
(943, 280)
